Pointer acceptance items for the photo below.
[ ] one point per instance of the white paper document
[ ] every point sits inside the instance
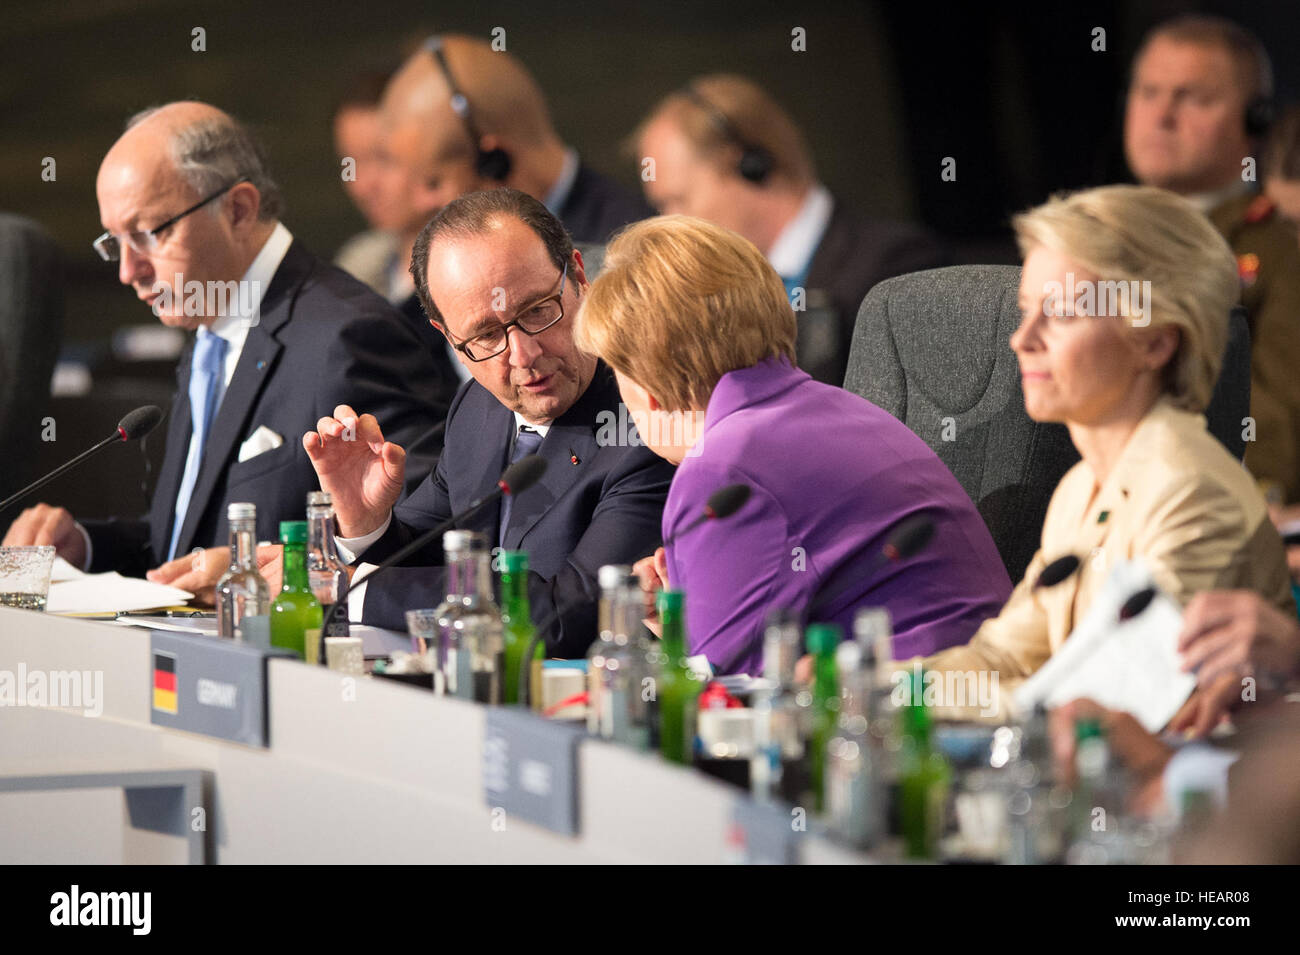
(110, 593)
(62, 570)
(1131, 666)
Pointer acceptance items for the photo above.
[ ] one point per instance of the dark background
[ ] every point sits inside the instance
(886, 90)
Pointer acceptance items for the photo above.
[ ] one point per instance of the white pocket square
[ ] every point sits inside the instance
(261, 441)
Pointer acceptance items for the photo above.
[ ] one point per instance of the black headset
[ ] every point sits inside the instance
(489, 163)
(756, 163)
(1259, 116)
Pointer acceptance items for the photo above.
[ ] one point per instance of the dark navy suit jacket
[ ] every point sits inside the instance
(597, 207)
(600, 501)
(323, 339)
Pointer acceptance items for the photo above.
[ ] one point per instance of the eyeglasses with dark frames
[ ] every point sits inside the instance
(535, 319)
(145, 241)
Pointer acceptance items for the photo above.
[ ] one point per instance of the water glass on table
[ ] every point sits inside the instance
(25, 576)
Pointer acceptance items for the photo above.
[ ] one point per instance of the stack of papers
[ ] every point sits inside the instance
(1131, 666)
(74, 591)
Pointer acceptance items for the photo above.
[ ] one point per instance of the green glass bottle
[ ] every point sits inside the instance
(296, 613)
(923, 777)
(677, 687)
(517, 621)
(822, 639)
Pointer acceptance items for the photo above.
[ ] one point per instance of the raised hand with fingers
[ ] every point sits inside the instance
(362, 471)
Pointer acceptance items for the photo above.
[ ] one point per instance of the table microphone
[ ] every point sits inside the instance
(721, 504)
(910, 535)
(1057, 571)
(516, 479)
(135, 425)
(1136, 603)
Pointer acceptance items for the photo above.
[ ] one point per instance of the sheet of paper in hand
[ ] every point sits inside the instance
(1127, 665)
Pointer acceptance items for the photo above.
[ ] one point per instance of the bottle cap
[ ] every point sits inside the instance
(319, 499)
(822, 638)
(456, 541)
(613, 576)
(1088, 729)
(669, 601)
(514, 561)
(241, 512)
(869, 624)
(293, 532)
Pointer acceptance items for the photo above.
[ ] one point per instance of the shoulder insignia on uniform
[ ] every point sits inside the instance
(1260, 208)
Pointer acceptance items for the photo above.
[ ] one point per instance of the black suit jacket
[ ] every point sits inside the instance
(854, 254)
(597, 207)
(323, 339)
(600, 502)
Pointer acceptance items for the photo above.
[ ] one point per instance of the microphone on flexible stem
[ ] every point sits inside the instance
(517, 478)
(910, 535)
(1057, 571)
(1136, 604)
(721, 504)
(135, 425)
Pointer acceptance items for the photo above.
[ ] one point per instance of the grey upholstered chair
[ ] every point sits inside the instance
(931, 349)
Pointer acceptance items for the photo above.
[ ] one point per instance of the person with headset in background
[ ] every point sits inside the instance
(459, 117)
(1197, 107)
(721, 149)
(368, 255)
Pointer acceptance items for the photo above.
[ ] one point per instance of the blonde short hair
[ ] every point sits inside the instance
(680, 302)
(1141, 233)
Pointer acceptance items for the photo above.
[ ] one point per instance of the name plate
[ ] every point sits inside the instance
(530, 768)
(210, 685)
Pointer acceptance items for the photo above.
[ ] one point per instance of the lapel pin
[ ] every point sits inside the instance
(573, 457)
(261, 363)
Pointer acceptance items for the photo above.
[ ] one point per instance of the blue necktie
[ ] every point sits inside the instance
(527, 441)
(207, 383)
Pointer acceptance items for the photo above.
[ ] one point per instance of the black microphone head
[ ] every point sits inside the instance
(1057, 571)
(910, 536)
(139, 422)
(523, 474)
(1136, 603)
(726, 501)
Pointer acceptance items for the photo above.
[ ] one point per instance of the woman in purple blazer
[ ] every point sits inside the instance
(701, 336)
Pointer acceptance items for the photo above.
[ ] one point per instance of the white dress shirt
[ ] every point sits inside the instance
(233, 326)
(793, 249)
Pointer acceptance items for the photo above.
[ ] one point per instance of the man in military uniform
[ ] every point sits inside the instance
(1197, 109)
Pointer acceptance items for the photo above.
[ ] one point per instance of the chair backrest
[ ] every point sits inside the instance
(931, 349)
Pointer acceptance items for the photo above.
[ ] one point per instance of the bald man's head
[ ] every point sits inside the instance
(429, 152)
(170, 159)
(506, 103)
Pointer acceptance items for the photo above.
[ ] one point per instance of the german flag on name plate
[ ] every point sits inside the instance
(164, 681)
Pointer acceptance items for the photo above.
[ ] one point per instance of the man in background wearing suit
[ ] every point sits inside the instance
(1197, 105)
(191, 215)
(723, 150)
(502, 281)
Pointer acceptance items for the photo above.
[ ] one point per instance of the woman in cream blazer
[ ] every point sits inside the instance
(1125, 295)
